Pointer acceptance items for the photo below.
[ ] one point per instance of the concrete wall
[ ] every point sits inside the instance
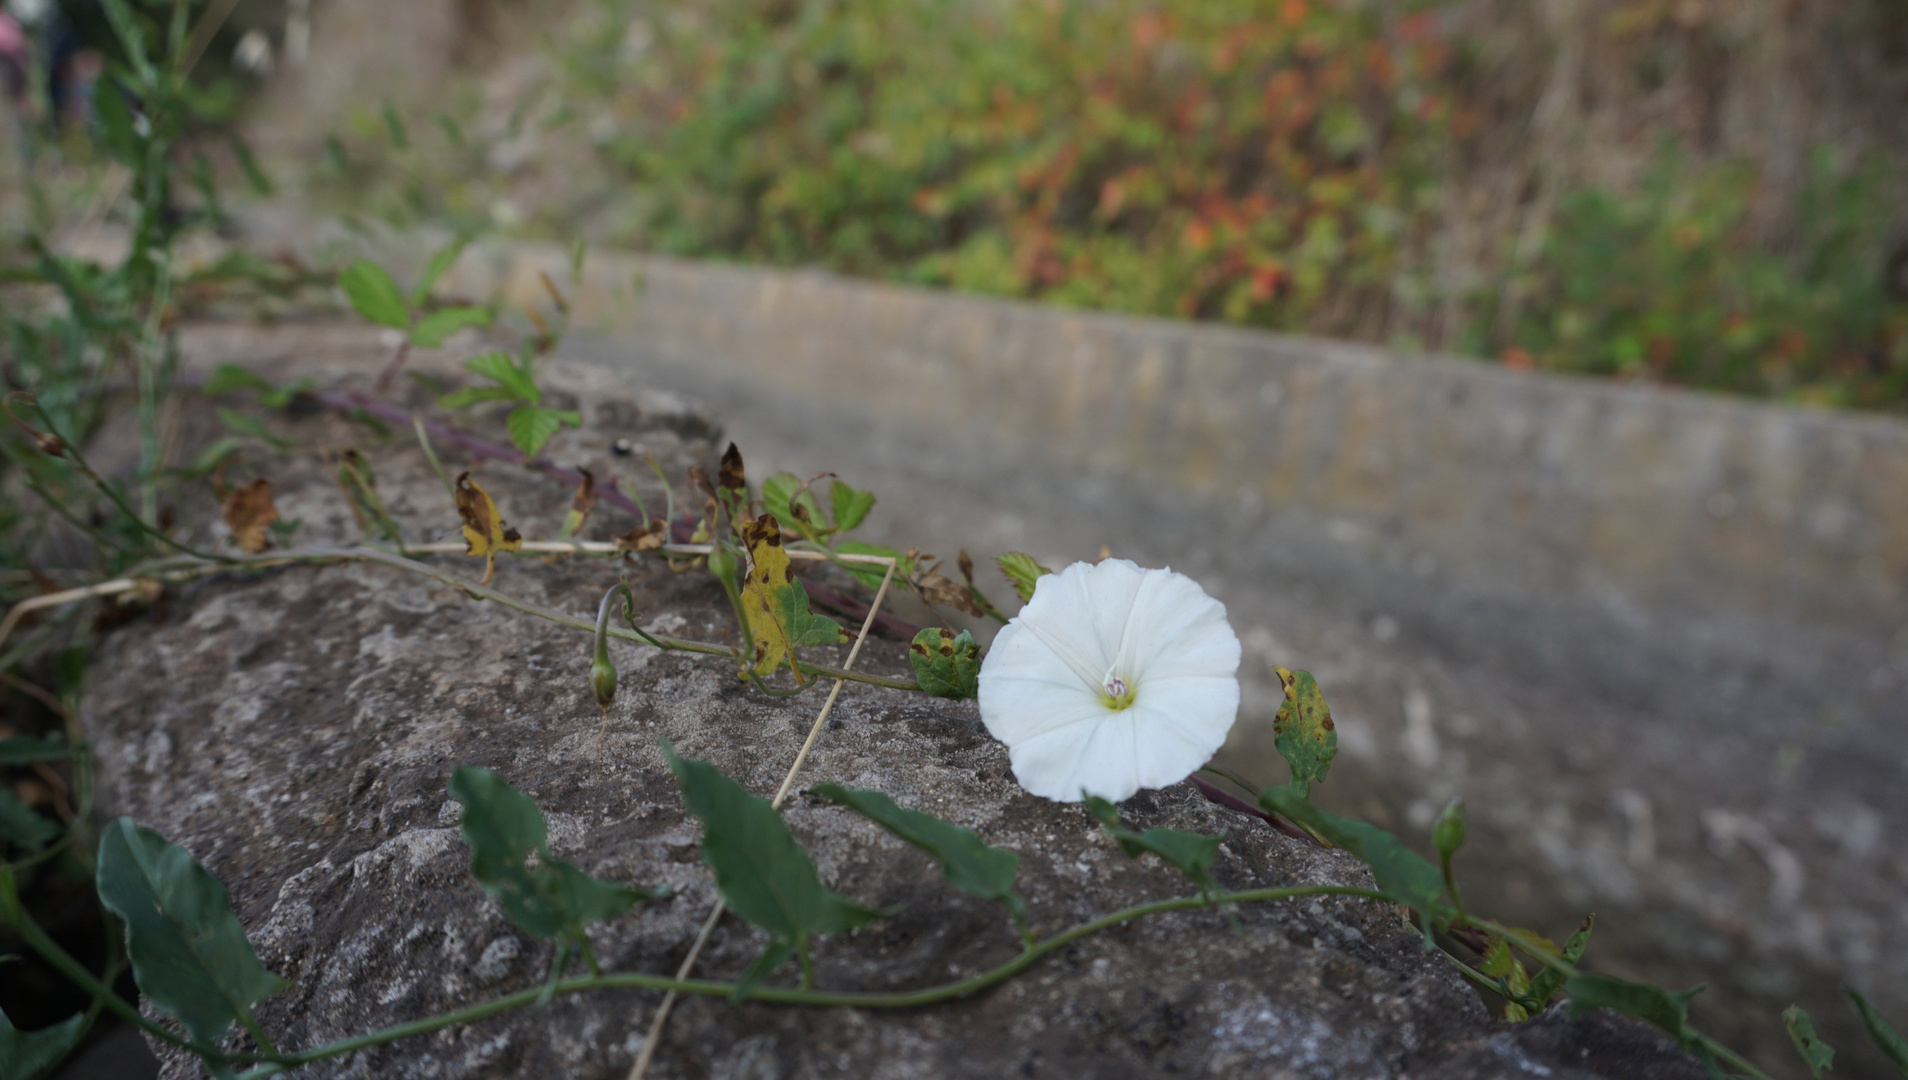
(1627, 496)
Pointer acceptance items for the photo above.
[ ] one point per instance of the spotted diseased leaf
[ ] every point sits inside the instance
(1887, 1039)
(970, 865)
(1667, 1009)
(248, 512)
(20, 825)
(1189, 853)
(1403, 875)
(189, 954)
(1816, 1054)
(731, 476)
(946, 664)
(485, 532)
(1022, 571)
(374, 295)
(510, 857)
(432, 329)
(1303, 730)
(763, 874)
(850, 506)
(776, 605)
(1545, 984)
(532, 426)
(937, 588)
(581, 504)
(25, 1053)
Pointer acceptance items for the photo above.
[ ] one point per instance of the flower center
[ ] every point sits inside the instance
(1115, 694)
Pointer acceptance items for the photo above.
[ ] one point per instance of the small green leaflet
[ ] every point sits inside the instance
(432, 329)
(189, 955)
(501, 369)
(871, 575)
(374, 295)
(764, 875)
(1404, 875)
(1023, 571)
(946, 664)
(970, 865)
(532, 426)
(22, 749)
(550, 899)
(781, 493)
(1303, 730)
(1545, 984)
(851, 506)
(1667, 1009)
(1886, 1037)
(1189, 853)
(229, 377)
(23, 1053)
(440, 262)
(19, 824)
(1818, 1055)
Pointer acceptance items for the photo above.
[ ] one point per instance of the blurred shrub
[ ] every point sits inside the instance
(1279, 163)
(1265, 163)
(1670, 282)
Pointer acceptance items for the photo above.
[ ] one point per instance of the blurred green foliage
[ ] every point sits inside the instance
(1276, 163)
(1230, 159)
(1669, 282)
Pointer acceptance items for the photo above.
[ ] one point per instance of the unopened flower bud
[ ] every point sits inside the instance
(1448, 834)
(603, 680)
(52, 446)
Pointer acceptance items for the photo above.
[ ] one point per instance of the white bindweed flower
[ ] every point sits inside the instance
(1111, 679)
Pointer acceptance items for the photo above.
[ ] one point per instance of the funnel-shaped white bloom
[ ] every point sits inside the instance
(1111, 679)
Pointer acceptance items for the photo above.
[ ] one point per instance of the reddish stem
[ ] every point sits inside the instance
(1233, 802)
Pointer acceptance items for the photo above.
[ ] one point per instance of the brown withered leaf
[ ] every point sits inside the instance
(580, 505)
(485, 532)
(641, 539)
(937, 588)
(249, 514)
(731, 476)
(967, 567)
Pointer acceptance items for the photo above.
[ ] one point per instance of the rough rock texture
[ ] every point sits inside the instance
(295, 730)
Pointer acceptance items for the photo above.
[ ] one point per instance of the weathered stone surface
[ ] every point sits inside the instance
(295, 730)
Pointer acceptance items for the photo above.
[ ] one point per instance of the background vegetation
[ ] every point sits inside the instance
(1561, 191)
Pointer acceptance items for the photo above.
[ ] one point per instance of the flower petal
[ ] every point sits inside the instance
(1095, 757)
(1041, 692)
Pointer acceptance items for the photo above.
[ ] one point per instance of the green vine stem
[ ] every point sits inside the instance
(906, 999)
(67, 449)
(14, 915)
(1537, 951)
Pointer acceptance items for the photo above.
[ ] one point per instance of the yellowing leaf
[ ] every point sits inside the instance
(484, 530)
(249, 514)
(1303, 730)
(776, 605)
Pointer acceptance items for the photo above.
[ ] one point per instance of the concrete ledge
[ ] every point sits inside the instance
(1562, 487)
